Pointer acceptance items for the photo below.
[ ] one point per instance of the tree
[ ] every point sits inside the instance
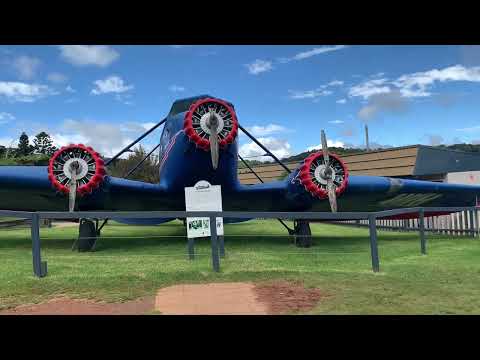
(148, 171)
(3, 151)
(24, 148)
(43, 144)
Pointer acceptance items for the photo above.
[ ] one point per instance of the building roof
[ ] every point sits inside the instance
(406, 161)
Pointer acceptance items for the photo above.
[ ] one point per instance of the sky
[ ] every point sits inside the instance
(106, 95)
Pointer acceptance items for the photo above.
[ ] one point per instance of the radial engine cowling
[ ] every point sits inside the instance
(87, 163)
(196, 124)
(311, 175)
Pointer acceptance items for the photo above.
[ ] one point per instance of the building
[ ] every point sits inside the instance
(410, 162)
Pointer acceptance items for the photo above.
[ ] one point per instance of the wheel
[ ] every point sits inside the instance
(87, 235)
(303, 234)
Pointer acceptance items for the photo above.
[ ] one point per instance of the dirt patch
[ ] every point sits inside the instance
(67, 306)
(210, 299)
(277, 297)
(282, 297)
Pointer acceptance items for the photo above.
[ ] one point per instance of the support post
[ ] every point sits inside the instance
(191, 248)
(214, 239)
(421, 227)
(39, 266)
(372, 223)
(475, 212)
(222, 246)
(472, 222)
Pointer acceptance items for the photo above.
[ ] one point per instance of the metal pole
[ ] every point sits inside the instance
(213, 233)
(476, 221)
(39, 267)
(141, 162)
(264, 149)
(222, 246)
(290, 231)
(472, 222)
(421, 227)
(133, 143)
(372, 223)
(191, 249)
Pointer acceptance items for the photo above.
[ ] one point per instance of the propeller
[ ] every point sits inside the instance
(327, 175)
(213, 126)
(72, 186)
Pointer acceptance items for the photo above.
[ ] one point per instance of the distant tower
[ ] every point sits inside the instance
(367, 144)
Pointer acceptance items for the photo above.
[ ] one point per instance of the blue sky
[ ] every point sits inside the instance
(106, 95)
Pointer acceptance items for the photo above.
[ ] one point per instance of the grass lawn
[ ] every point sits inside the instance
(135, 261)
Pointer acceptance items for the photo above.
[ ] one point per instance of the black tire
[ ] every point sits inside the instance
(87, 235)
(303, 234)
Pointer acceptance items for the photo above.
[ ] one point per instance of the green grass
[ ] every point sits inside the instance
(136, 261)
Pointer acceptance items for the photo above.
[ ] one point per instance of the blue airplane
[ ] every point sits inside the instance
(76, 178)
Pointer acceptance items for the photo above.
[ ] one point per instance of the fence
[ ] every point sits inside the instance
(457, 224)
(217, 246)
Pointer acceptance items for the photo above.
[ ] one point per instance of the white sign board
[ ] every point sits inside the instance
(203, 197)
(466, 177)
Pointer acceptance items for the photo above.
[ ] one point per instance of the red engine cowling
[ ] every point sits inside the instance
(310, 178)
(91, 168)
(195, 123)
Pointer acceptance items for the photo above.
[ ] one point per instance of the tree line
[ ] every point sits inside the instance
(42, 147)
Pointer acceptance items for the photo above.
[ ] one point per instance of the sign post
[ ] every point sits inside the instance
(203, 197)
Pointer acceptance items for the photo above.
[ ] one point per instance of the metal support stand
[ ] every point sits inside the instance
(191, 248)
(472, 222)
(214, 239)
(372, 223)
(421, 228)
(222, 246)
(39, 266)
(475, 212)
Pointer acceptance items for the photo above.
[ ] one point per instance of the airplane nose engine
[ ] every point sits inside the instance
(313, 174)
(76, 168)
(211, 116)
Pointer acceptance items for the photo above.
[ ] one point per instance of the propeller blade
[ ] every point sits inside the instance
(214, 152)
(327, 172)
(72, 192)
(326, 157)
(332, 196)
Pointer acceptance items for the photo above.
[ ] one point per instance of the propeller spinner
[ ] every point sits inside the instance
(324, 175)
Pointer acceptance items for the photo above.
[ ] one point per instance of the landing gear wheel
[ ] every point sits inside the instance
(87, 235)
(303, 234)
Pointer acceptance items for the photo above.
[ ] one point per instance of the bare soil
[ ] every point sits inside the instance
(67, 306)
(276, 297)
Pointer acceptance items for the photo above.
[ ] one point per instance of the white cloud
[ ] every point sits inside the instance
(369, 88)
(309, 94)
(280, 148)
(469, 129)
(70, 89)
(313, 52)
(267, 130)
(112, 84)
(176, 88)
(26, 67)
(107, 139)
(7, 142)
(82, 55)
(341, 101)
(336, 122)
(179, 46)
(416, 84)
(56, 78)
(330, 143)
(22, 92)
(6, 117)
(259, 66)
(335, 83)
